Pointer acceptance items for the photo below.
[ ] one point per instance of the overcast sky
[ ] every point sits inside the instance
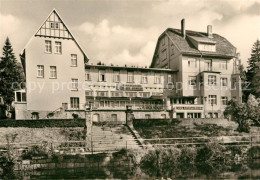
(125, 31)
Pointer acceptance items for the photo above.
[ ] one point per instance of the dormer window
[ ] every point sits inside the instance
(203, 43)
(207, 47)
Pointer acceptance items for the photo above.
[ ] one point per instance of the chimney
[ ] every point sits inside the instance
(209, 31)
(183, 31)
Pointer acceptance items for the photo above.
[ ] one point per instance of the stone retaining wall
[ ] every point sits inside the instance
(74, 161)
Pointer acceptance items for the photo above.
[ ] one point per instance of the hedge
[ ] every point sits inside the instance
(41, 123)
(153, 122)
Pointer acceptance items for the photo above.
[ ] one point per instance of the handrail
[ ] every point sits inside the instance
(52, 112)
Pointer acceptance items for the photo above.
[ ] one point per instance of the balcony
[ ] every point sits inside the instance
(211, 69)
(188, 107)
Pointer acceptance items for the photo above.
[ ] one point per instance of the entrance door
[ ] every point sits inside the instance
(96, 118)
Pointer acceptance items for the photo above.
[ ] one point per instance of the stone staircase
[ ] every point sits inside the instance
(112, 138)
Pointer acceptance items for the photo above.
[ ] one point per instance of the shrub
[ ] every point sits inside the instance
(34, 151)
(188, 155)
(211, 153)
(254, 152)
(75, 116)
(51, 114)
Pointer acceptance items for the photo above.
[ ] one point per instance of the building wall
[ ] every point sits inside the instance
(109, 85)
(45, 94)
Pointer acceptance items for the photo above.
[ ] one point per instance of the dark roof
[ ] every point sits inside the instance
(128, 68)
(223, 47)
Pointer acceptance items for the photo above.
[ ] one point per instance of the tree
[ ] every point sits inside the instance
(253, 61)
(244, 83)
(10, 74)
(238, 112)
(256, 82)
(253, 108)
(243, 113)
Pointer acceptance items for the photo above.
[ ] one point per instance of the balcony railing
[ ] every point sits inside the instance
(180, 107)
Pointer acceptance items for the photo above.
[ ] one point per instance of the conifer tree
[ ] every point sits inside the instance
(256, 82)
(10, 74)
(253, 61)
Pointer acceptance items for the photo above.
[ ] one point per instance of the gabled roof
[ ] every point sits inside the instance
(61, 31)
(224, 48)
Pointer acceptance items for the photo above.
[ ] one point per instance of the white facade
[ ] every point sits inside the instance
(49, 64)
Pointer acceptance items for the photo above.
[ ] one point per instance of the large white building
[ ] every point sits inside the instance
(207, 69)
(191, 76)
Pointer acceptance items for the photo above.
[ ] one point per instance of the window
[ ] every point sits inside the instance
(88, 93)
(208, 65)
(144, 78)
(157, 78)
(116, 76)
(224, 100)
(144, 94)
(130, 76)
(170, 78)
(53, 72)
(223, 65)
(75, 84)
(131, 94)
(57, 25)
(65, 106)
(224, 82)
(212, 99)
(87, 75)
(48, 46)
(234, 82)
(40, 71)
(114, 117)
(192, 63)
(147, 116)
(102, 93)
(102, 75)
(20, 97)
(212, 80)
(116, 94)
(207, 47)
(57, 47)
(192, 80)
(74, 102)
(74, 62)
(54, 24)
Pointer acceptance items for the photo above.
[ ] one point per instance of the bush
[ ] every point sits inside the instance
(254, 152)
(34, 151)
(75, 116)
(188, 155)
(211, 153)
